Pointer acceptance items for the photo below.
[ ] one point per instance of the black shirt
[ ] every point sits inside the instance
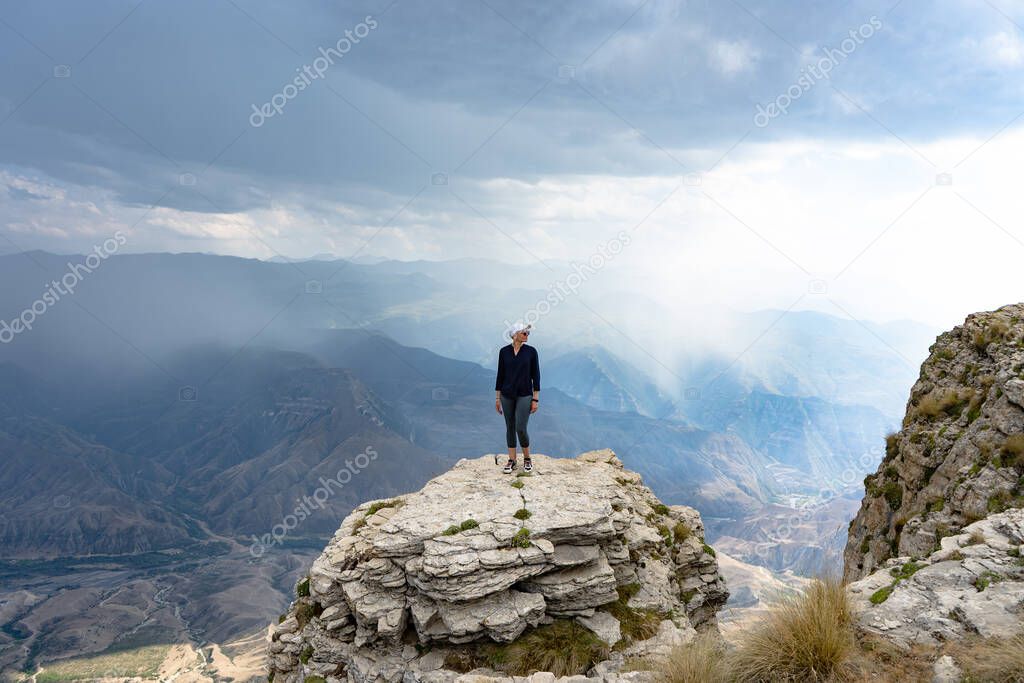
(518, 374)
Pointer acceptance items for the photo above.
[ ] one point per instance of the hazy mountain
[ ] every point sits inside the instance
(65, 495)
(177, 406)
(800, 394)
(239, 454)
(599, 379)
(62, 492)
(449, 408)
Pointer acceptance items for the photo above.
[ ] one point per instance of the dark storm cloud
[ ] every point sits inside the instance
(145, 99)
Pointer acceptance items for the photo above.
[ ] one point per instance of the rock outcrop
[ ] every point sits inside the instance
(959, 455)
(934, 554)
(972, 585)
(408, 584)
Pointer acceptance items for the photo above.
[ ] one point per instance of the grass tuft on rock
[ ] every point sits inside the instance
(681, 532)
(702, 660)
(517, 484)
(1013, 450)
(635, 624)
(302, 588)
(522, 513)
(992, 659)
(381, 504)
(804, 638)
(459, 528)
(942, 401)
(563, 647)
(986, 579)
(521, 539)
(906, 571)
(882, 594)
(893, 494)
(305, 611)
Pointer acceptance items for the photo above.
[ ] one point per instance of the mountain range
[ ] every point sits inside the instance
(185, 411)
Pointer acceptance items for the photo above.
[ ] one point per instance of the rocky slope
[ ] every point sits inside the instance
(426, 585)
(934, 554)
(972, 585)
(959, 456)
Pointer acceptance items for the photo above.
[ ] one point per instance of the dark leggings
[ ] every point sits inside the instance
(517, 412)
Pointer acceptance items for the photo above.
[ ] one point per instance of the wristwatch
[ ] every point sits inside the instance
(533, 400)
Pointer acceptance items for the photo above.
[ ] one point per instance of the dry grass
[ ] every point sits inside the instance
(635, 624)
(877, 660)
(943, 401)
(806, 638)
(1013, 450)
(992, 659)
(700, 661)
(564, 648)
(996, 330)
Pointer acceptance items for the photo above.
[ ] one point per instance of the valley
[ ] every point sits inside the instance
(172, 500)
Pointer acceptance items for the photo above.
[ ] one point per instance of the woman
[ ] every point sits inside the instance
(517, 392)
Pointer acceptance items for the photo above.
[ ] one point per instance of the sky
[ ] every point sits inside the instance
(860, 158)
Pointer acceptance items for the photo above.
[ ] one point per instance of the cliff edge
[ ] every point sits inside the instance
(959, 455)
(934, 554)
(482, 571)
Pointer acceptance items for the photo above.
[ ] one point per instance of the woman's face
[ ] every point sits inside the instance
(521, 336)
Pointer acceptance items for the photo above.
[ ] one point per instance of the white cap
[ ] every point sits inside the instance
(518, 327)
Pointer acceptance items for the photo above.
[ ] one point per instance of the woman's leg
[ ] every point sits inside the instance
(508, 409)
(522, 417)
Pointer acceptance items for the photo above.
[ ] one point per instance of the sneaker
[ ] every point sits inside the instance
(527, 465)
(509, 466)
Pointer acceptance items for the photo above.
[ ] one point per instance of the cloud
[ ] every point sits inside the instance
(430, 88)
(731, 58)
(21, 188)
(887, 240)
(150, 134)
(1003, 49)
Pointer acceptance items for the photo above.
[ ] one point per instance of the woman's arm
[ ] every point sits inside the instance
(535, 377)
(535, 373)
(498, 382)
(500, 379)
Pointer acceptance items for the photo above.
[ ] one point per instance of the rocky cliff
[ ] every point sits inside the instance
(484, 571)
(973, 585)
(934, 554)
(959, 456)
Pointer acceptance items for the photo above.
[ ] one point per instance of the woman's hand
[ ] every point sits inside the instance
(533, 407)
(497, 406)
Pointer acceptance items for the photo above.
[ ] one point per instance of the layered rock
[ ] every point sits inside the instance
(972, 585)
(478, 556)
(934, 554)
(959, 455)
